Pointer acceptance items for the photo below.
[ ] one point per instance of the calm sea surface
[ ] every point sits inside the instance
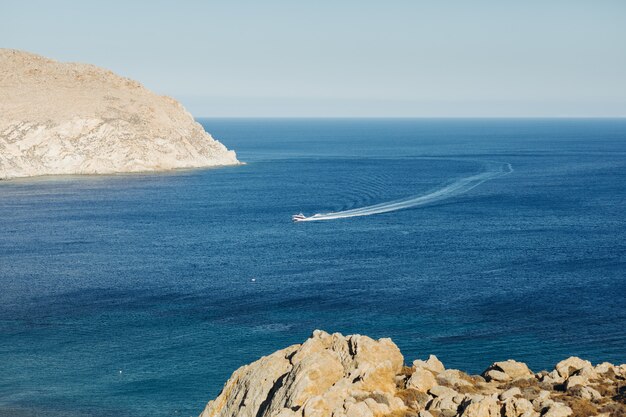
(133, 295)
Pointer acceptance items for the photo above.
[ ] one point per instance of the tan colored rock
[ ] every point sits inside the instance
(558, 410)
(422, 380)
(377, 408)
(433, 364)
(314, 407)
(496, 375)
(571, 365)
(543, 394)
(443, 404)
(514, 370)
(376, 363)
(590, 394)
(575, 380)
(542, 401)
(327, 375)
(487, 407)
(286, 413)
(487, 388)
(552, 377)
(453, 377)
(311, 376)
(510, 393)
(395, 403)
(605, 367)
(359, 410)
(441, 391)
(64, 118)
(349, 376)
(473, 398)
(249, 386)
(459, 398)
(517, 407)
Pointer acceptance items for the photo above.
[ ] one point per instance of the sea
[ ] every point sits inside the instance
(477, 240)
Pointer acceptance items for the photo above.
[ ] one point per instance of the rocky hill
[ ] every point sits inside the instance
(355, 376)
(64, 118)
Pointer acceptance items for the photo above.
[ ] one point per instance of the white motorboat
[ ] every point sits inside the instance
(298, 217)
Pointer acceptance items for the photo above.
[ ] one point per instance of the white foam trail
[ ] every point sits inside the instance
(458, 187)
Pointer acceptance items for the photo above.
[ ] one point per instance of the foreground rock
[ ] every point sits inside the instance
(60, 118)
(355, 376)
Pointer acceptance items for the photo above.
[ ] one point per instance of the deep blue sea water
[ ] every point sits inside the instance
(132, 295)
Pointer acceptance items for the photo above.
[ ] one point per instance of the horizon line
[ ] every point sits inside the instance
(418, 117)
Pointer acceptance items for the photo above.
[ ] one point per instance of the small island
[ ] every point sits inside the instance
(331, 375)
(67, 118)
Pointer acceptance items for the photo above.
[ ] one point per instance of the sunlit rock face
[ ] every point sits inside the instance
(65, 118)
(331, 375)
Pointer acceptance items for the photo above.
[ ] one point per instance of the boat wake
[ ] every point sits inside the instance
(461, 186)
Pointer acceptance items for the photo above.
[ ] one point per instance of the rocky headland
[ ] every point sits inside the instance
(331, 375)
(66, 118)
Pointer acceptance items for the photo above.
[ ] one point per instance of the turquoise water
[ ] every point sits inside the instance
(133, 295)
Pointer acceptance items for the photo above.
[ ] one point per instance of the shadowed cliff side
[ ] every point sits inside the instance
(66, 118)
(356, 376)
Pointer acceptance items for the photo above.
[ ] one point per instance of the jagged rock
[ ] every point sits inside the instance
(311, 375)
(433, 364)
(377, 408)
(443, 404)
(552, 377)
(542, 401)
(441, 391)
(557, 410)
(65, 118)
(355, 376)
(569, 366)
(453, 377)
(513, 369)
(588, 372)
(357, 410)
(543, 394)
(575, 380)
(485, 388)
(516, 407)
(588, 393)
(487, 407)
(473, 398)
(248, 389)
(422, 380)
(317, 377)
(605, 367)
(495, 375)
(414, 399)
(510, 393)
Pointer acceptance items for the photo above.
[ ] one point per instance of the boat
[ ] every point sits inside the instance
(298, 217)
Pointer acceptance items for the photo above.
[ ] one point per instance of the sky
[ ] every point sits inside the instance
(440, 58)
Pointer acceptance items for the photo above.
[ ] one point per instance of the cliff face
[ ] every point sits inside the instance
(355, 376)
(62, 118)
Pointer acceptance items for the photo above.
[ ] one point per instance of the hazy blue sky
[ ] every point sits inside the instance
(346, 58)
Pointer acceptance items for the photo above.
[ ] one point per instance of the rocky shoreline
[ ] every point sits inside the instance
(331, 375)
